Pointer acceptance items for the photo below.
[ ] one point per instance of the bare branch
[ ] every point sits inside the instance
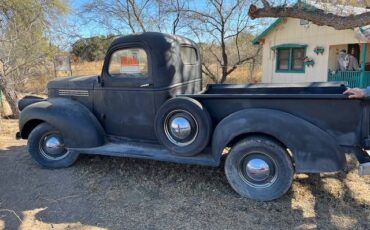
(137, 13)
(317, 16)
(265, 3)
(208, 72)
(241, 61)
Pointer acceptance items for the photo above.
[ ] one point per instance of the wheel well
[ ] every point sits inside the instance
(246, 135)
(29, 126)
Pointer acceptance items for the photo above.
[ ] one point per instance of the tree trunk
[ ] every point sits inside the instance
(225, 60)
(251, 72)
(10, 95)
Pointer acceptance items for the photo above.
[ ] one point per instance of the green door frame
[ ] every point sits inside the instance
(363, 63)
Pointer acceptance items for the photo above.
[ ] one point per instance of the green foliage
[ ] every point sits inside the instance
(24, 45)
(23, 28)
(92, 49)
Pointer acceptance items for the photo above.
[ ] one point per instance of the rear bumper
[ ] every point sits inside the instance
(364, 169)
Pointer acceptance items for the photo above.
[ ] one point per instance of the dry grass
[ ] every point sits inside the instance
(87, 68)
(117, 193)
(8, 128)
(239, 76)
(123, 193)
(38, 86)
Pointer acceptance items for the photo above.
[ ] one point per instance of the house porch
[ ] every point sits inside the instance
(355, 78)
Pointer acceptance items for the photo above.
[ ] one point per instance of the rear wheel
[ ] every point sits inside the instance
(46, 146)
(259, 168)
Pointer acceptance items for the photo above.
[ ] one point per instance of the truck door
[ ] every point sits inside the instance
(124, 101)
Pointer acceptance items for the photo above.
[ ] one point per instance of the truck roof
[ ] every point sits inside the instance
(153, 39)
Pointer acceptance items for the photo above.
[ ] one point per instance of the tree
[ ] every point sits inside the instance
(301, 10)
(23, 44)
(133, 16)
(92, 49)
(222, 23)
(217, 24)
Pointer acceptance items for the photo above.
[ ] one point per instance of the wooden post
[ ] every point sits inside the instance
(363, 63)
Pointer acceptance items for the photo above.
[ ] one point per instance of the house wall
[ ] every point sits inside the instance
(290, 31)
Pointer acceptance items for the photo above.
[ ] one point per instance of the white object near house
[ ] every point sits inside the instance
(297, 51)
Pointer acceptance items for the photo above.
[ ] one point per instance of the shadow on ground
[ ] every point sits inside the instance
(121, 193)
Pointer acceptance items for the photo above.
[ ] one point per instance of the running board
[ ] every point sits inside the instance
(148, 151)
(364, 169)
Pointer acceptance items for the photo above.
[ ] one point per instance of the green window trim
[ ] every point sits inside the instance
(289, 47)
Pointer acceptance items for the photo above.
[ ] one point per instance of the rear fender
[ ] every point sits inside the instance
(78, 126)
(314, 150)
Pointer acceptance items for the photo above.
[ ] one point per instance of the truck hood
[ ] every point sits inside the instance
(84, 82)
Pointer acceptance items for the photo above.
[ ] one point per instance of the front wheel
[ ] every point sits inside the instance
(259, 168)
(46, 146)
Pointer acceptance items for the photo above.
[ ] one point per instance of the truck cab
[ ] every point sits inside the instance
(139, 74)
(149, 103)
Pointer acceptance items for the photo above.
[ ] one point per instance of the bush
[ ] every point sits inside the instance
(92, 49)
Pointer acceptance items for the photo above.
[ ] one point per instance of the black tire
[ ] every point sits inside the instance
(263, 183)
(198, 119)
(37, 148)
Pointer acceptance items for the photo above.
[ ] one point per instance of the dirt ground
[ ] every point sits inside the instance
(121, 193)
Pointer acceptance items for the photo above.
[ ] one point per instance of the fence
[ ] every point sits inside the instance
(352, 77)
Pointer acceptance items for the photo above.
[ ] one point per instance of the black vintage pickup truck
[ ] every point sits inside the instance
(149, 103)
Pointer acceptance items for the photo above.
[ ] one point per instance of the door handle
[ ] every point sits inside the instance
(145, 85)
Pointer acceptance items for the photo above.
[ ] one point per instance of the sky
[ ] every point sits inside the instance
(79, 26)
(93, 29)
(85, 30)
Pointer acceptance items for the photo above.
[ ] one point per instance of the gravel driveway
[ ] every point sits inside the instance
(121, 193)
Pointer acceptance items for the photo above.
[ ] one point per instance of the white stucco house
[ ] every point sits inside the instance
(296, 50)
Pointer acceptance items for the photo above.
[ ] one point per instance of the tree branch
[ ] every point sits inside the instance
(317, 16)
(241, 61)
(209, 73)
(265, 3)
(137, 14)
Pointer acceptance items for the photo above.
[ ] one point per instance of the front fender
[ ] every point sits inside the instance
(314, 150)
(78, 126)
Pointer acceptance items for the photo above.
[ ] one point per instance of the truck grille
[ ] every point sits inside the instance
(71, 92)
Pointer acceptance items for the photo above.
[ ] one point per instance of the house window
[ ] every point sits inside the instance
(290, 60)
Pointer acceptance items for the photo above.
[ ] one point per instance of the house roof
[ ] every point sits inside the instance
(341, 10)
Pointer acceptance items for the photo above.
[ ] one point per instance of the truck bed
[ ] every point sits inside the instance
(321, 104)
(316, 88)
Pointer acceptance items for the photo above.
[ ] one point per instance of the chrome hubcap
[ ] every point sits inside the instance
(180, 127)
(257, 169)
(52, 147)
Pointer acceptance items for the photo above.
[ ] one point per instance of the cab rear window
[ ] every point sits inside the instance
(131, 62)
(188, 55)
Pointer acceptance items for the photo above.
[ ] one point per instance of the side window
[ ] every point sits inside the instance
(283, 56)
(129, 63)
(298, 59)
(290, 60)
(188, 55)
